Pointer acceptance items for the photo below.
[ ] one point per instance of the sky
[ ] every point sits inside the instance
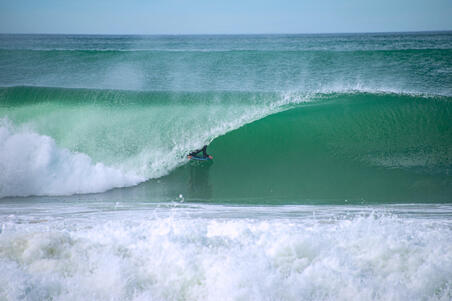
(222, 17)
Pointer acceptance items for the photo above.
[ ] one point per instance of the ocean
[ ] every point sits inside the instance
(331, 176)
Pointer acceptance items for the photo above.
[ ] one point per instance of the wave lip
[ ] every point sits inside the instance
(32, 164)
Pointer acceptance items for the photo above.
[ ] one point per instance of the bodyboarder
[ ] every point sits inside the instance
(195, 153)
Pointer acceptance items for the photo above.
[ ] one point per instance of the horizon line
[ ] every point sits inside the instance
(225, 34)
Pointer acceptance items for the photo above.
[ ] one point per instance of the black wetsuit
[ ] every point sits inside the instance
(203, 150)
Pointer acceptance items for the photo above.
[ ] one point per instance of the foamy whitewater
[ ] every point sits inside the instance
(120, 251)
(331, 177)
(33, 164)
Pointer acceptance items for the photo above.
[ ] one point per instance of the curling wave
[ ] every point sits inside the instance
(308, 145)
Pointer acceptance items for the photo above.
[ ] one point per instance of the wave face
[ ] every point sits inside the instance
(283, 147)
(355, 147)
(297, 117)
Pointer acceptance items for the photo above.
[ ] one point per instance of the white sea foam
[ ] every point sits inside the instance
(32, 164)
(140, 255)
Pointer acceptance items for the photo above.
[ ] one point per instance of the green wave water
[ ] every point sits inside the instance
(347, 148)
(352, 147)
(268, 146)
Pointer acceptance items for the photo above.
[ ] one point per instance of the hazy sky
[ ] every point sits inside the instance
(227, 16)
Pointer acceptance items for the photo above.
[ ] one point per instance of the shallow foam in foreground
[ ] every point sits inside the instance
(142, 252)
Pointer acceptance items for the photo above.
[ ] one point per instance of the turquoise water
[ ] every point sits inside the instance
(331, 176)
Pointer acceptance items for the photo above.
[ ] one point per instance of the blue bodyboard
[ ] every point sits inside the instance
(199, 158)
